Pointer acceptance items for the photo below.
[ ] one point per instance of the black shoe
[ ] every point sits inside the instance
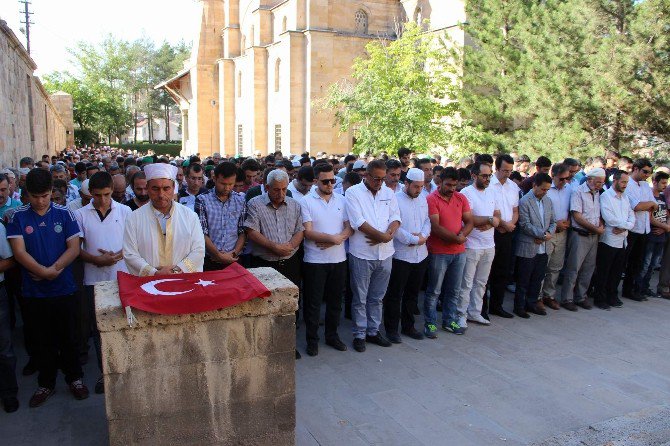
(585, 304)
(535, 310)
(378, 339)
(636, 297)
(413, 333)
(501, 313)
(570, 306)
(602, 306)
(30, 368)
(312, 349)
(359, 344)
(521, 313)
(297, 354)
(10, 404)
(100, 386)
(616, 303)
(336, 344)
(394, 338)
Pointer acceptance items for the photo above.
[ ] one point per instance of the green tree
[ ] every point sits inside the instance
(394, 100)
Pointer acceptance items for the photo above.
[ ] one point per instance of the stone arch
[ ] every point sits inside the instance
(362, 22)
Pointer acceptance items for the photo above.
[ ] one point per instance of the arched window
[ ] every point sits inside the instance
(239, 84)
(284, 24)
(277, 73)
(361, 19)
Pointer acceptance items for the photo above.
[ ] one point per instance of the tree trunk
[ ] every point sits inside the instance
(167, 124)
(150, 127)
(135, 127)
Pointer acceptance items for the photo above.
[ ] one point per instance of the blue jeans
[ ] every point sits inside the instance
(369, 280)
(652, 255)
(8, 385)
(444, 282)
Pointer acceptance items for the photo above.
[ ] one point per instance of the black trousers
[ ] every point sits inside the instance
(637, 244)
(529, 276)
(609, 266)
(402, 294)
(322, 282)
(89, 293)
(500, 269)
(54, 321)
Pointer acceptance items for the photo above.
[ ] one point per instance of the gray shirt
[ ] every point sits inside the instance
(277, 225)
(586, 202)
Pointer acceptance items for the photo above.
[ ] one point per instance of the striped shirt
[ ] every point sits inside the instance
(277, 225)
(221, 221)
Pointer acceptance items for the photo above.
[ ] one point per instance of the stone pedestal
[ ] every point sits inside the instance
(221, 377)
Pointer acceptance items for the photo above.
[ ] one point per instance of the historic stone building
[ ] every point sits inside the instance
(32, 123)
(259, 67)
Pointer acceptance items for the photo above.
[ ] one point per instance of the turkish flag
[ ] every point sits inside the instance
(190, 293)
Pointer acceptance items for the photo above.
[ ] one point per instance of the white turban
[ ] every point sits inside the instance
(597, 172)
(160, 170)
(415, 174)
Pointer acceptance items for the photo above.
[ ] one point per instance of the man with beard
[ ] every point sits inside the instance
(138, 184)
(119, 190)
(619, 218)
(425, 165)
(404, 156)
(221, 212)
(393, 173)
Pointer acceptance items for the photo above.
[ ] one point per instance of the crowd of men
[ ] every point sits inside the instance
(361, 234)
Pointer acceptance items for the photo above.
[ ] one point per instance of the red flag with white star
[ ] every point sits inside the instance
(190, 293)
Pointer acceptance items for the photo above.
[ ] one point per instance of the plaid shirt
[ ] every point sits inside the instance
(221, 221)
(277, 225)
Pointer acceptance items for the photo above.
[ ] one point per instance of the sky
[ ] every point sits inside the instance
(59, 24)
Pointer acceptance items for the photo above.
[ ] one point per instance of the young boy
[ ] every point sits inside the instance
(45, 240)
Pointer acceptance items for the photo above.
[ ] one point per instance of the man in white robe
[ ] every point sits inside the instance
(163, 237)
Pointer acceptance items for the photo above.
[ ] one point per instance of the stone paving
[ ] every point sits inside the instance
(514, 382)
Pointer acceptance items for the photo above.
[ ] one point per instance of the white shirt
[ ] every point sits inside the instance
(414, 214)
(295, 193)
(327, 217)
(432, 186)
(106, 234)
(542, 249)
(483, 204)
(75, 204)
(637, 192)
(617, 212)
(379, 211)
(507, 197)
(560, 201)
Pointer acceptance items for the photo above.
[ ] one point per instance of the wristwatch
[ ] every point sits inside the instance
(176, 270)
(491, 221)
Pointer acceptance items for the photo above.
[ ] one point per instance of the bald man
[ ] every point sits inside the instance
(119, 190)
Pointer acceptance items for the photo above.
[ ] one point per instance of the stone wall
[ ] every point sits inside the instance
(29, 123)
(222, 377)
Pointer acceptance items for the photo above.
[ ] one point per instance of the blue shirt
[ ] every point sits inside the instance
(10, 204)
(45, 237)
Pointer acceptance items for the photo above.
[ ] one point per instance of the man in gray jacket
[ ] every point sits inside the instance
(537, 225)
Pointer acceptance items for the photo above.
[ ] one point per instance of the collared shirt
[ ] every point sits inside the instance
(560, 200)
(483, 204)
(617, 213)
(507, 197)
(542, 249)
(379, 211)
(75, 204)
(10, 204)
(414, 214)
(327, 217)
(277, 225)
(221, 221)
(295, 193)
(637, 192)
(72, 193)
(162, 218)
(450, 215)
(188, 199)
(432, 187)
(587, 202)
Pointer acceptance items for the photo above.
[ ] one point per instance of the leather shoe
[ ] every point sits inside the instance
(501, 313)
(312, 349)
(378, 339)
(521, 313)
(359, 344)
(336, 344)
(394, 338)
(10, 404)
(551, 303)
(602, 305)
(536, 309)
(585, 304)
(570, 306)
(413, 333)
(616, 303)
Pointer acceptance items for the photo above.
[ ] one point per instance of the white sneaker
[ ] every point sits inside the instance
(462, 322)
(479, 319)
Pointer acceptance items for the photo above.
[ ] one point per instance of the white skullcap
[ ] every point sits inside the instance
(359, 164)
(415, 174)
(597, 172)
(84, 187)
(295, 163)
(160, 170)
(8, 172)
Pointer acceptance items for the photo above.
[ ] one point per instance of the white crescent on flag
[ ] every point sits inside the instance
(150, 287)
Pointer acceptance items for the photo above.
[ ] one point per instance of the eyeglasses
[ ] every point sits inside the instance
(376, 179)
(646, 171)
(563, 178)
(484, 176)
(329, 181)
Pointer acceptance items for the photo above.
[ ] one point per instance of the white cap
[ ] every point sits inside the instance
(8, 172)
(84, 187)
(597, 172)
(359, 164)
(295, 163)
(160, 170)
(415, 174)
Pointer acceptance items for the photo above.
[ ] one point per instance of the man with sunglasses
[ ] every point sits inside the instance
(642, 201)
(374, 215)
(559, 194)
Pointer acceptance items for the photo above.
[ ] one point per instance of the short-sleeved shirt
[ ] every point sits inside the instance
(277, 225)
(327, 217)
(221, 221)
(45, 237)
(507, 197)
(586, 202)
(483, 204)
(10, 204)
(451, 219)
(661, 214)
(637, 192)
(5, 249)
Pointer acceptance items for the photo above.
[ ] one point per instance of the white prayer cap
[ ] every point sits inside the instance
(597, 172)
(160, 170)
(415, 174)
(359, 164)
(295, 163)
(84, 187)
(8, 172)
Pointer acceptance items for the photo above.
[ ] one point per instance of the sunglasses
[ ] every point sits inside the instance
(563, 178)
(646, 171)
(329, 181)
